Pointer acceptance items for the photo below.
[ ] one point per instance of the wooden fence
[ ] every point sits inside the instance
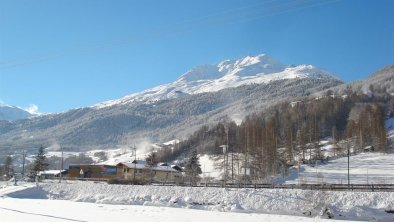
(321, 187)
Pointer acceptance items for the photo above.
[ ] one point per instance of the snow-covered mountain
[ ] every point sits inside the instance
(226, 74)
(204, 95)
(12, 113)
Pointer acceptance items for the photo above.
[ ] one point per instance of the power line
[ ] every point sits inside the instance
(236, 15)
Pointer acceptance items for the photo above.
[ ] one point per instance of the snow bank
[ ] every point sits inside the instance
(342, 205)
(63, 210)
(7, 187)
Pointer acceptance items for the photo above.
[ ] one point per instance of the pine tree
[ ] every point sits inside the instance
(289, 145)
(1, 172)
(302, 142)
(39, 163)
(334, 135)
(380, 129)
(152, 159)
(193, 168)
(8, 168)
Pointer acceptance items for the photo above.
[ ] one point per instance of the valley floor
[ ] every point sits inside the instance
(89, 201)
(93, 201)
(31, 210)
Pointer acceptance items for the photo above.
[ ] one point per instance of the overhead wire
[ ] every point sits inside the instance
(236, 15)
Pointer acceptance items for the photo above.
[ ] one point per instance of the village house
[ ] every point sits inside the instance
(140, 171)
(51, 174)
(89, 171)
(136, 170)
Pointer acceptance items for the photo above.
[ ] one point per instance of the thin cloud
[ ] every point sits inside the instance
(33, 109)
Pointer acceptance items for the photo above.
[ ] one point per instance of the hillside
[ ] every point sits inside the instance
(380, 82)
(12, 113)
(265, 144)
(257, 69)
(157, 119)
(365, 168)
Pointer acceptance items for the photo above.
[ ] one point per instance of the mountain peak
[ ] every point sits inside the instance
(12, 113)
(225, 74)
(262, 59)
(247, 66)
(201, 72)
(253, 65)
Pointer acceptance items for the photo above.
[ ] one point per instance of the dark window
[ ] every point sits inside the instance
(74, 167)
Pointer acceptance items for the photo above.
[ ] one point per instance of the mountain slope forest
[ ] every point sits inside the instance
(268, 142)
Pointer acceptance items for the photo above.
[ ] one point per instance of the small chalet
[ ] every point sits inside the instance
(51, 174)
(140, 171)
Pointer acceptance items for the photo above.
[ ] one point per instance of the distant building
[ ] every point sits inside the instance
(142, 172)
(369, 149)
(137, 170)
(51, 174)
(89, 171)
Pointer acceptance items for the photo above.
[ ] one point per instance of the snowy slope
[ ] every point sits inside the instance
(11, 113)
(365, 167)
(371, 168)
(343, 204)
(229, 73)
(114, 156)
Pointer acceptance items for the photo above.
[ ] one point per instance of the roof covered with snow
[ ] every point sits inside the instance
(143, 166)
(50, 172)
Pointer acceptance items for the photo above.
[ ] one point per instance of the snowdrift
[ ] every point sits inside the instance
(324, 204)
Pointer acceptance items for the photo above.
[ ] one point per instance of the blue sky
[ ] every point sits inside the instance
(65, 54)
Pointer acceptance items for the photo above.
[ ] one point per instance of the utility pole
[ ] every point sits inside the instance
(348, 166)
(61, 168)
(224, 147)
(224, 166)
(232, 156)
(246, 153)
(23, 163)
(367, 177)
(135, 161)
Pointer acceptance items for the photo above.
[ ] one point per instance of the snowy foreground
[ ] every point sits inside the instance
(61, 210)
(88, 201)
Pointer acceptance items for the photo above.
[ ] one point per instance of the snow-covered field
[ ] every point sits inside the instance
(365, 168)
(86, 201)
(89, 201)
(39, 210)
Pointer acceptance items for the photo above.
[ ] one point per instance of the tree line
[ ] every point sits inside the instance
(290, 133)
(40, 163)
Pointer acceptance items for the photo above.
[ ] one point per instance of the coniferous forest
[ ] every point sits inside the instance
(289, 133)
